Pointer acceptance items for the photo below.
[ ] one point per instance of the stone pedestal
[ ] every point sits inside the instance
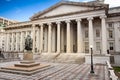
(28, 56)
(27, 67)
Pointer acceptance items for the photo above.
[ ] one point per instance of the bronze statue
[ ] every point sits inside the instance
(28, 43)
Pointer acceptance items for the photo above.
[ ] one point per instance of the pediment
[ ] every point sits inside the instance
(65, 8)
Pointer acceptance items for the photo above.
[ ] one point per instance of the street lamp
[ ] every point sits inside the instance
(91, 48)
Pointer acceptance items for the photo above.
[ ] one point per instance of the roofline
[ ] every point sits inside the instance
(114, 7)
(8, 19)
(89, 4)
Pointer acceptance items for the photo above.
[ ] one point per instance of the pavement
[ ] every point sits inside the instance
(60, 71)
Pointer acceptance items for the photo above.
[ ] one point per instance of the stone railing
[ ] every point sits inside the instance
(111, 72)
(8, 56)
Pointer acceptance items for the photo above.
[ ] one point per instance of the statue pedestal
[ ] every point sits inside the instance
(26, 67)
(28, 56)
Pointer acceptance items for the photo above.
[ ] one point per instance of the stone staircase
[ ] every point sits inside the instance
(62, 58)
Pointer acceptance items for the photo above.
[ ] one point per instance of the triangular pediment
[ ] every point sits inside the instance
(66, 8)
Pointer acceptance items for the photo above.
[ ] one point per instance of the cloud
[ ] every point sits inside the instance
(113, 3)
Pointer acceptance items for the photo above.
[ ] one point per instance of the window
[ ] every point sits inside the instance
(97, 46)
(111, 46)
(86, 47)
(86, 33)
(97, 33)
(110, 34)
(110, 25)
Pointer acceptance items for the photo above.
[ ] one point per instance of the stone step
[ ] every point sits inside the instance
(25, 72)
(27, 65)
(26, 69)
(27, 61)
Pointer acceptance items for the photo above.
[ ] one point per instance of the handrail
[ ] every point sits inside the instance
(111, 71)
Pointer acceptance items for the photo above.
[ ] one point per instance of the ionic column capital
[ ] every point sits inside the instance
(41, 24)
(90, 18)
(49, 23)
(67, 21)
(33, 25)
(103, 17)
(78, 20)
(58, 22)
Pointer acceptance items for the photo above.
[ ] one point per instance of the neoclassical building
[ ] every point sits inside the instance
(68, 27)
(3, 23)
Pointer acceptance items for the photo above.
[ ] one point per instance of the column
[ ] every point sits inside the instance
(116, 29)
(104, 35)
(58, 37)
(3, 21)
(38, 39)
(12, 43)
(79, 37)
(41, 38)
(33, 36)
(91, 39)
(27, 33)
(8, 22)
(7, 41)
(49, 37)
(21, 42)
(17, 41)
(68, 36)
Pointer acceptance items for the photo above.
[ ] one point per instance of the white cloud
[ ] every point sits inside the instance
(113, 3)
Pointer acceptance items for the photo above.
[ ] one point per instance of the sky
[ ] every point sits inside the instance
(22, 10)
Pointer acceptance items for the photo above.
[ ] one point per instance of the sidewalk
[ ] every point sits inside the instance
(61, 71)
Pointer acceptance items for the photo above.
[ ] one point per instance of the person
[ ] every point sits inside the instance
(108, 51)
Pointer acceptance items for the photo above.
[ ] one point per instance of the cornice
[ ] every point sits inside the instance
(86, 4)
(66, 14)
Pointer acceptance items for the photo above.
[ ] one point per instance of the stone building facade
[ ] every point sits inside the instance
(68, 27)
(3, 23)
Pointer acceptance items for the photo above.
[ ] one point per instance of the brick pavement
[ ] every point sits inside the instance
(61, 71)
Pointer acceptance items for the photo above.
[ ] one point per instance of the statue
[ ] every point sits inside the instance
(28, 43)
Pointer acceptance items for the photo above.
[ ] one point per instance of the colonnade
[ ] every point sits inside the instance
(19, 42)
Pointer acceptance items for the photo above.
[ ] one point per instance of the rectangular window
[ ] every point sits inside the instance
(97, 46)
(86, 47)
(86, 33)
(110, 25)
(111, 46)
(97, 33)
(110, 34)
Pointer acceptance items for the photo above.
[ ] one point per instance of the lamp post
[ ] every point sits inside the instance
(91, 48)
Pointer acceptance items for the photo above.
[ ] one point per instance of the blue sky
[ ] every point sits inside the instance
(22, 10)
